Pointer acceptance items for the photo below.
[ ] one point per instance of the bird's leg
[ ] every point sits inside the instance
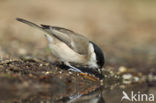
(85, 75)
(72, 68)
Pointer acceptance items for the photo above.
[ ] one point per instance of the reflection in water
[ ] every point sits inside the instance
(92, 97)
(97, 94)
(101, 99)
(106, 94)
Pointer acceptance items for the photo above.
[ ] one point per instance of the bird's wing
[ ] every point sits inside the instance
(70, 38)
(75, 41)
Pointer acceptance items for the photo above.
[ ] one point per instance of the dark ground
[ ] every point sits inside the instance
(28, 79)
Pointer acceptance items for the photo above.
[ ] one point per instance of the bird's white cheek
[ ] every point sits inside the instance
(92, 61)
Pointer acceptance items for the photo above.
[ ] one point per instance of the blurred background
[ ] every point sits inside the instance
(124, 29)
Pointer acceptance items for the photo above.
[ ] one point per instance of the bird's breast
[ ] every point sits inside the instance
(65, 53)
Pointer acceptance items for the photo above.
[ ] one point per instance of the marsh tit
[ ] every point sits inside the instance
(70, 47)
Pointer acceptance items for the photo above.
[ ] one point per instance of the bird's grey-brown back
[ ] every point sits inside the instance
(70, 38)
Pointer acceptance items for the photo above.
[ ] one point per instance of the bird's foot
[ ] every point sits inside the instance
(81, 72)
(74, 69)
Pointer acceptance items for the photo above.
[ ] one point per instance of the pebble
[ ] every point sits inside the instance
(127, 78)
(41, 65)
(47, 72)
(70, 72)
(151, 77)
(136, 79)
(122, 69)
(60, 72)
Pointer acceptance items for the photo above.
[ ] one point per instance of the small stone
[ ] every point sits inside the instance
(46, 64)
(70, 72)
(60, 72)
(136, 79)
(41, 65)
(122, 69)
(151, 77)
(47, 72)
(127, 76)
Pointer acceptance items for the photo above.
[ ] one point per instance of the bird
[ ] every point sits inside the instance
(70, 47)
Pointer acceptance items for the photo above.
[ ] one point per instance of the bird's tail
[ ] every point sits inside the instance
(30, 24)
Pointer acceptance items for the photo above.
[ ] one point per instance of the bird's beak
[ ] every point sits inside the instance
(99, 70)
